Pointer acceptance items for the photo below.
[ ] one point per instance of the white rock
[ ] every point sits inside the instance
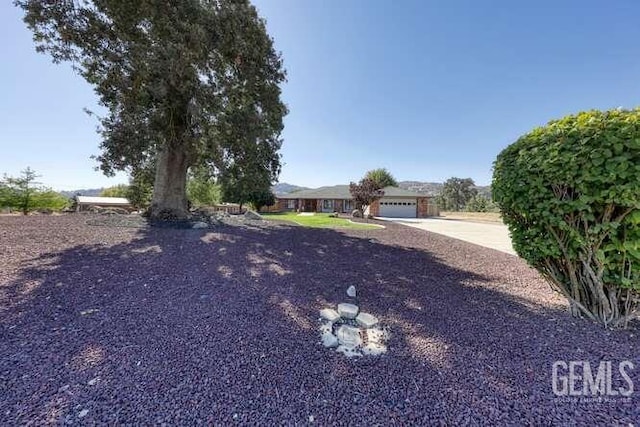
(349, 336)
(200, 224)
(326, 327)
(329, 314)
(366, 320)
(375, 335)
(348, 351)
(93, 381)
(348, 311)
(83, 413)
(252, 215)
(374, 349)
(329, 340)
(351, 291)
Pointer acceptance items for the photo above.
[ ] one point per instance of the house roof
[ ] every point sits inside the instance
(332, 192)
(342, 192)
(88, 200)
(399, 192)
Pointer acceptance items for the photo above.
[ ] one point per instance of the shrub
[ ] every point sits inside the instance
(260, 198)
(570, 194)
(480, 203)
(365, 193)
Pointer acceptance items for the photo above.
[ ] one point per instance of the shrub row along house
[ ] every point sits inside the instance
(396, 202)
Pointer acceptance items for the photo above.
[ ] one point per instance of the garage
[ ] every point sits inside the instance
(398, 207)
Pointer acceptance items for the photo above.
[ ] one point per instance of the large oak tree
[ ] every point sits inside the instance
(185, 83)
(456, 193)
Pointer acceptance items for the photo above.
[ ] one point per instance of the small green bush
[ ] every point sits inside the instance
(570, 194)
(480, 203)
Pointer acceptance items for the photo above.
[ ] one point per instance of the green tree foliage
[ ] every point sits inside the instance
(26, 195)
(202, 190)
(184, 82)
(381, 177)
(456, 193)
(251, 173)
(261, 198)
(239, 185)
(20, 190)
(5, 195)
(140, 188)
(49, 200)
(570, 194)
(120, 190)
(480, 203)
(365, 193)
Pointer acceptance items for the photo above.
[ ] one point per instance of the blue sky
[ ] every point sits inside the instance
(427, 89)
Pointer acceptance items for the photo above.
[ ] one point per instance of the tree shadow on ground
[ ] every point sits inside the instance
(221, 325)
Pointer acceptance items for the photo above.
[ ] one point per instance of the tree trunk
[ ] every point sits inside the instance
(169, 189)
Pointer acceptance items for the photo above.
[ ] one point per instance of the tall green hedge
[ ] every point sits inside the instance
(570, 194)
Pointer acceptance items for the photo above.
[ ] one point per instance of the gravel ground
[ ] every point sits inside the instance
(130, 325)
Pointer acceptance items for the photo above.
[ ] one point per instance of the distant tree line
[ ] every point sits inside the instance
(461, 194)
(203, 189)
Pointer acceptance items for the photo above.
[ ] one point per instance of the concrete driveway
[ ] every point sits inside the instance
(494, 236)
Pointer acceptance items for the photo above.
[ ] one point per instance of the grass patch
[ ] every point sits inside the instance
(319, 220)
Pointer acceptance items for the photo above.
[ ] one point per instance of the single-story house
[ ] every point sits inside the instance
(396, 202)
(83, 203)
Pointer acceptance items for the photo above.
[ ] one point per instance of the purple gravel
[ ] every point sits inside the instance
(142, 326)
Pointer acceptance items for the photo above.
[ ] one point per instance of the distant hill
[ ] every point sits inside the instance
(426, 188)
(284, 188)
(434, 188)
(83, 192)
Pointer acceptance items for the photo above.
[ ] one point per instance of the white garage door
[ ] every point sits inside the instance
(398, 208)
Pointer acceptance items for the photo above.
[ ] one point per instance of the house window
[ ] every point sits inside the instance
(327, 204)
(348, 205)
(291, 204)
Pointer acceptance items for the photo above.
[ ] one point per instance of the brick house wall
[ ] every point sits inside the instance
(374, 208)
(284, 205)
(427, 207)
(272, 208)
(281, 205)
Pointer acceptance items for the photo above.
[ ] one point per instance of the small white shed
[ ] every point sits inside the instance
(85, 202)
